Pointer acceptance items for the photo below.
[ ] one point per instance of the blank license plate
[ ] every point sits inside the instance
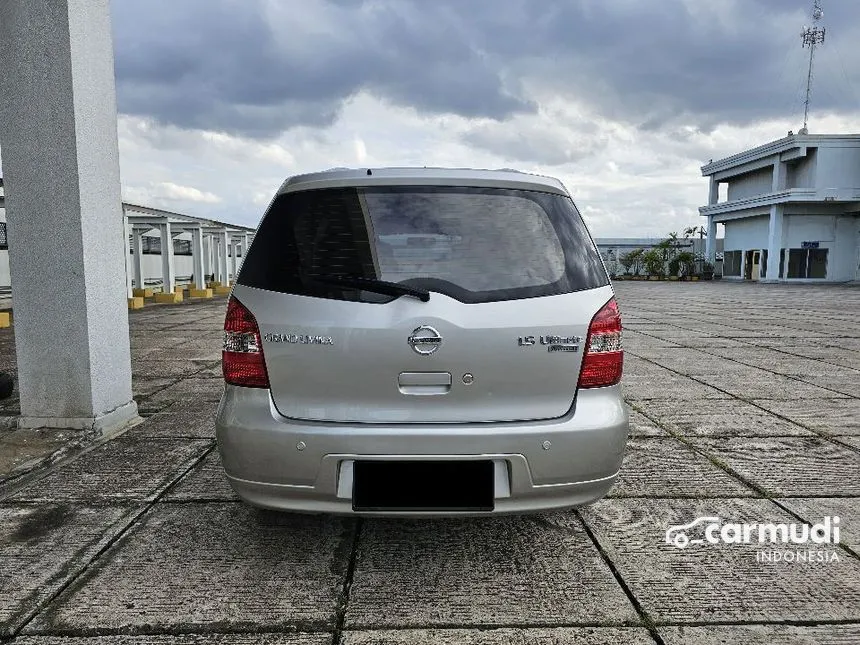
(423, 486)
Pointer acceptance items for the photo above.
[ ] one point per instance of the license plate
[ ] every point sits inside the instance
(423, 486)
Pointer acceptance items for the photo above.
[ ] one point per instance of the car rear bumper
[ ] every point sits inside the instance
(287, 464)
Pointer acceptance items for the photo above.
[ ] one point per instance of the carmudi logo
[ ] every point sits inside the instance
(775, 536)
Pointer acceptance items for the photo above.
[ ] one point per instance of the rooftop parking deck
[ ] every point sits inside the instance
(745, 406)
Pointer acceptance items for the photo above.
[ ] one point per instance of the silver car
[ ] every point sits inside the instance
(417, 341)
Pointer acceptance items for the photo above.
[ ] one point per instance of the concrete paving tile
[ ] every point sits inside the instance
(791, 466)
(692, 362)
(839, 379)
(215, 371)
(716, 341)
(642, 426)
(183, 639)
(665, 467)
(506, 636)
(196, 389)
(40, 546)
(786, 364)
(720, 418)
(759, 384)
(149, 368)
(828, 355)
(852, 442)
(719, 582)
(845, 342)
(833, 416)
(813, 509)
(27, 449)
(216, 567)
(485, 571)
(127, 468)
(142, 386)
(634, 340)
(668, 386)
(677, 335)
(205, 482)
(763, 634)
(636, 366)
(185, 418)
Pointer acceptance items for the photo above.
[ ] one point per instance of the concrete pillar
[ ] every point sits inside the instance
(714, 192)
(774, 242)
(216, 262)
(197, 259)
(223, 248)
(207, 256)
(246, 242)
(129, 260)
(711, 241)
(168, 276)
(778, 181)
(234, 247)
(64, 210)
(137, 257)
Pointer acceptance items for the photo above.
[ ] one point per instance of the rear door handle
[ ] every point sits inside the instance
(424, 383)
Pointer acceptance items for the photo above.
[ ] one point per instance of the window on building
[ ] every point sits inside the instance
(181, 247)
(763, 265)
(818, 263)
(4, 241)
(807, 263)
(732, 263)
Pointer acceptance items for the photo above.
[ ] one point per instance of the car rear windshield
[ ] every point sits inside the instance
(472, 244)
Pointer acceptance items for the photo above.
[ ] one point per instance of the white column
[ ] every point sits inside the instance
(778, 181)
(246, 242)
(223, 246)
(714, 192)
(234, 247)
(168, 277)
(129, 260)
(711, 241)
(137, 247)
(64, 211)
(197, 260)
(207, 256)
(774, 242)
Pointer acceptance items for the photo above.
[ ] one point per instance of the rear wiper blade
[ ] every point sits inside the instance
(377, 286)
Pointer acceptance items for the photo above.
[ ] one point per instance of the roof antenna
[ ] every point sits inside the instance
(811, 36)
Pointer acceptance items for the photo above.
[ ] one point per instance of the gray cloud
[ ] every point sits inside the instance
(257, 68)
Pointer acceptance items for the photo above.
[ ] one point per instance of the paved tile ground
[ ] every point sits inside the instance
(745, 405)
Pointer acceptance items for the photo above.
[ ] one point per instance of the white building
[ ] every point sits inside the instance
(790, 208)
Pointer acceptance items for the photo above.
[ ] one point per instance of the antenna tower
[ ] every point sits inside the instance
(811, 36)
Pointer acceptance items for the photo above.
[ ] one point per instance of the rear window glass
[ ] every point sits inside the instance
(472, 244)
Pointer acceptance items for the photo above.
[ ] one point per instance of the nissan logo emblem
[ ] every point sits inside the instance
(425, 340)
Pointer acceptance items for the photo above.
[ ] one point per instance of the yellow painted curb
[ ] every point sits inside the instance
(135, 303)
(222, 291)
(142, 293)
(200, 293)
(213, 284)
(176, 296)
(5, 320)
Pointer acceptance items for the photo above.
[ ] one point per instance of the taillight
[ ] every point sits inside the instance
(603, 358)
(242, 359)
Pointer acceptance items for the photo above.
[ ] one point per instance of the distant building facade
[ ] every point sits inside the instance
(791, 210)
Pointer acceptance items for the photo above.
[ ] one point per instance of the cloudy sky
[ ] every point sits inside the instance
(623, 100)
